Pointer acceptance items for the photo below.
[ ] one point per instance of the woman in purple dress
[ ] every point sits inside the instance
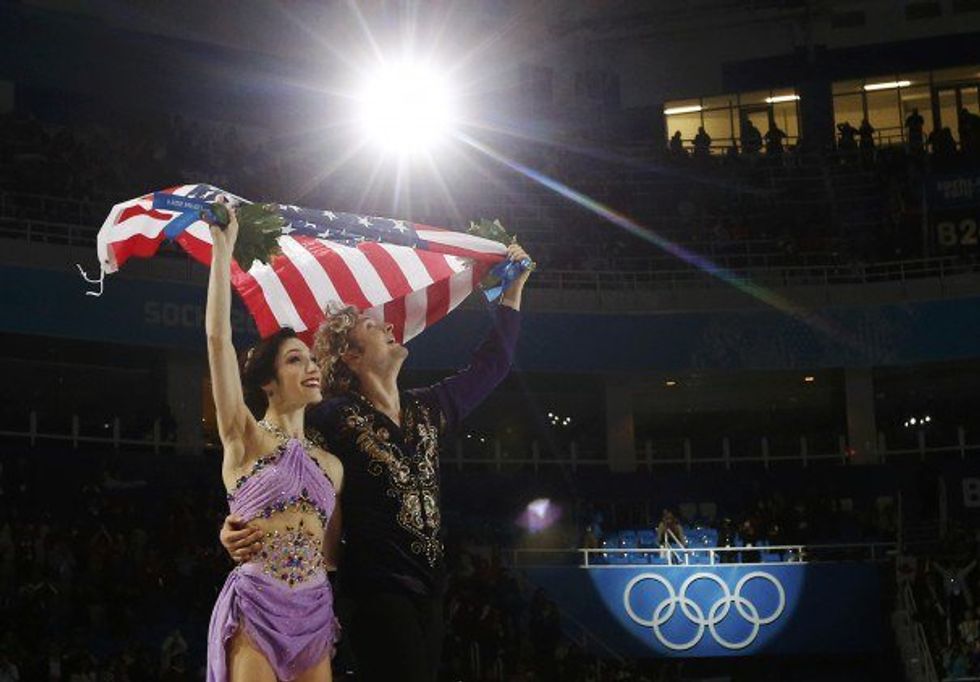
(274, 618)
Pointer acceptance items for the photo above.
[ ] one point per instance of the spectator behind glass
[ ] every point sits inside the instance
(677, 145)
(914, 123)
(702, 144)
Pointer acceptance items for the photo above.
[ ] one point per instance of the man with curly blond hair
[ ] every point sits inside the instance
(392, 569)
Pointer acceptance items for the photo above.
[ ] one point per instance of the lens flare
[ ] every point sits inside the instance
(744, 285)
(406, 107)
(539, 515)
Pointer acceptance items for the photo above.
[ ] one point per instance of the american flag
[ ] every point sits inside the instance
(409, 274)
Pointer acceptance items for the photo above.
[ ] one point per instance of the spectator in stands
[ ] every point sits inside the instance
(751, 138)
(544, 628)
(914, 123)
(959, 596)
(774, 139)
(670, 525)
(731, 153)
(589, 540)
(8, 670)
(726, 538)
(955, 661)
(866, 134)
(942, 143)
(969, 132)
(677, 145)
(750, 537)
(702, 144)
(969, 628)
(846, 140)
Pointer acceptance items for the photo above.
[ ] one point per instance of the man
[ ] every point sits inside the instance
(915, 123)
(389, 441)
(702, 144)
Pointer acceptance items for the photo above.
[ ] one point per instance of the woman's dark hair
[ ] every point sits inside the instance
(259, 368)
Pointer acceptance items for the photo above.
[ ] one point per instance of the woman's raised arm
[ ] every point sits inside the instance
(234, 419)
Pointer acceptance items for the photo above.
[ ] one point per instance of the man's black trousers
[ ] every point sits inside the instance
(396, 637)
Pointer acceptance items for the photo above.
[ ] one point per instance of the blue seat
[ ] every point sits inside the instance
(628, 539)
(647, 538)
(617, 558)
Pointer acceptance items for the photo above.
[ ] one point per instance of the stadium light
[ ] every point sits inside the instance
(683, 110)
(782, 98)
(406, 107)
(889, 85)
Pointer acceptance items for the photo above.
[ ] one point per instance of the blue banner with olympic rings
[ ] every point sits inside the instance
(722, 610)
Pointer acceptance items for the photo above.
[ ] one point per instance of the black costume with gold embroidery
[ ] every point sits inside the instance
(390, 499)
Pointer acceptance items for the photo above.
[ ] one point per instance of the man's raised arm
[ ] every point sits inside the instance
(460, 394)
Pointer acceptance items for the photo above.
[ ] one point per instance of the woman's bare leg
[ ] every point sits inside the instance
(321, 672)
(245, 662)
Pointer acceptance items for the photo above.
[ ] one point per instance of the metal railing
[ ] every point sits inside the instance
(460, 455)
(919, 663)
(651, 277)
(691, 556)
(673, 552)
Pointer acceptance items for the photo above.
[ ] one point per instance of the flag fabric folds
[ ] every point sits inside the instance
(409, 274)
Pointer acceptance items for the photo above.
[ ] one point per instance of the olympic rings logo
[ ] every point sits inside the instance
(718, 611)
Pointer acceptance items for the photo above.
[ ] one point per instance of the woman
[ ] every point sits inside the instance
(274, 617)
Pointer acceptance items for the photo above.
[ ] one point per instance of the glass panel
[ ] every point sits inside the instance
(676, 103)
(785, 116)
(753, 98)
(879, 78)
(917, 98)
(687, 124)
(948, 112)
(848, 109)
(969, 99)
(883, 114)
(783, 92)
(917, 78)
(960, 73)
(847, 87)
(718, 124)
(720, 102)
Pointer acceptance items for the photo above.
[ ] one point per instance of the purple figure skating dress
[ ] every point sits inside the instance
(282, 597)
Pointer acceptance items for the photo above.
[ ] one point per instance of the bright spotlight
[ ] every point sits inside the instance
(539, 515)
(406, 107)
(539, 508)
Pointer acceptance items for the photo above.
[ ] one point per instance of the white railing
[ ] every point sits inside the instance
(495, 457)
(672, 552)
(789, 554)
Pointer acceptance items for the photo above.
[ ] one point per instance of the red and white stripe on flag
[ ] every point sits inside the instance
(411, 288)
